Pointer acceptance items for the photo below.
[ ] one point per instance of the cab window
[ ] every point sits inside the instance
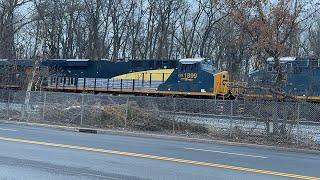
(188, 67)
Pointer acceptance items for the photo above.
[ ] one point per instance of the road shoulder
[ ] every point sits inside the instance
(159, 136)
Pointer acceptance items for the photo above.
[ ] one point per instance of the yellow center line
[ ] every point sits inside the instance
(162, 158)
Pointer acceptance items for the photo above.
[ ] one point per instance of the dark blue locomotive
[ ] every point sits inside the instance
(187, 77)
(301, 76)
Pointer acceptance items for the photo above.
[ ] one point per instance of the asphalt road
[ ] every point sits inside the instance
(42, 153)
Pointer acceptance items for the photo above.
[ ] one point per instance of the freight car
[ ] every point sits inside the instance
(194, 77)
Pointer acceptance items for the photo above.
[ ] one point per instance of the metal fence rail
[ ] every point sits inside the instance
(258, 121)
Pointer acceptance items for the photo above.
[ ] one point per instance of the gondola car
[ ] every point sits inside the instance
(194, 77)
(301, 77)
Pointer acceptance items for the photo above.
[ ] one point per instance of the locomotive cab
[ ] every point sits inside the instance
(199, 75)
(189, 69)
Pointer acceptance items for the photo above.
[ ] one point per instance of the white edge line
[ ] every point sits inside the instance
(223, 152)
(5, 129)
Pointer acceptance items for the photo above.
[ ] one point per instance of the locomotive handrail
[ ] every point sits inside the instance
(237, 84)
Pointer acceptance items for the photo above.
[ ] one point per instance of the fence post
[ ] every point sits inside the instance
(298, 124)
(275, 125)
(174, 115)
(27, 106)
(231, 116)
(8, 107)
(44, 105)
(127, 110)
(82, 108)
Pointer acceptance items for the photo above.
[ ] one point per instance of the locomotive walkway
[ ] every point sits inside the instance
(42, 153)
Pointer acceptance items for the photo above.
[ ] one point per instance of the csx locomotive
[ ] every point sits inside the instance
(301, 77)
(194, 77)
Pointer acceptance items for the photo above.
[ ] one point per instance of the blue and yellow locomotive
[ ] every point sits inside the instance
(194, 77)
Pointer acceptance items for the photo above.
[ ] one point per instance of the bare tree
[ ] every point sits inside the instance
(229, 31)
(10, 23)
(270, 26)
(314, 39)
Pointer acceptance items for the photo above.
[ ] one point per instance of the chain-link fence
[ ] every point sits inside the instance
(265, 122)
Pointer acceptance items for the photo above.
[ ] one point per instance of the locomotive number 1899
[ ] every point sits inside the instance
(188, 76)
